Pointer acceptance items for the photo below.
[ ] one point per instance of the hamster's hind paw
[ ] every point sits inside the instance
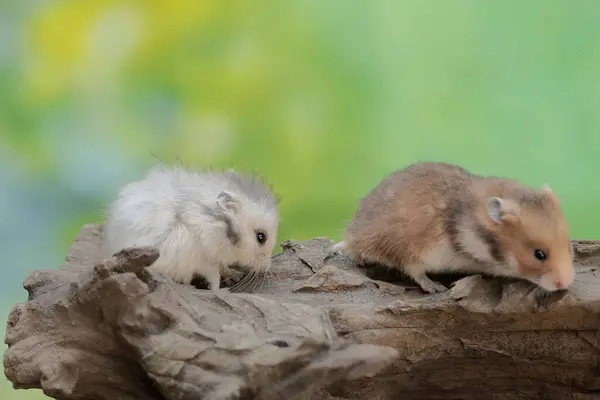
(336, 250)
(430, 286)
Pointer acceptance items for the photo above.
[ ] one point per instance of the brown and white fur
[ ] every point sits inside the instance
(438, 217)
(202, 222)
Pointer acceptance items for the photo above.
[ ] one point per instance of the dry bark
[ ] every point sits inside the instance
(323, 329)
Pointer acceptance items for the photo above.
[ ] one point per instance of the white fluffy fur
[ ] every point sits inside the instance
(170, 209)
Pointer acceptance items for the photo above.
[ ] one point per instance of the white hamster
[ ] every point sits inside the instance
(201, 221)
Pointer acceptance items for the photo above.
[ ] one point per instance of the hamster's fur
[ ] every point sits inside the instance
(202, 222)
(438, 217)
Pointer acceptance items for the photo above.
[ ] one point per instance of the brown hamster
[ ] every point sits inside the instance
(438, 217)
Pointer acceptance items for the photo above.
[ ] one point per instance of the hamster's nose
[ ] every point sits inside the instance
(559, 285)
(563, 282)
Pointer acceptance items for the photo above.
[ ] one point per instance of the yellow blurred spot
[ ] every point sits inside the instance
(173, 21)
(56, 36)
(62, 40)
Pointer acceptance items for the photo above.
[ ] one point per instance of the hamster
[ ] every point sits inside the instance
(202, 222)
(438, 217)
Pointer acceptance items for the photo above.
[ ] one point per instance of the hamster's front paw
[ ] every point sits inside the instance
(431, 287)
(232, 276)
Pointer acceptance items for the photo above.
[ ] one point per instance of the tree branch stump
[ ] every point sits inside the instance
(322, 328)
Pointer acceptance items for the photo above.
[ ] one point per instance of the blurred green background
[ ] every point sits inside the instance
(324, 98)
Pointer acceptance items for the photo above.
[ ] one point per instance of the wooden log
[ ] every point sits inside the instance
(320, 328)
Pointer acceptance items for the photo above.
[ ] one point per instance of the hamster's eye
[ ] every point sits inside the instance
(539, 254)
(261, 237)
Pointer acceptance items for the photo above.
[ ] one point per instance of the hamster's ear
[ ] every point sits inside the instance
(227, 201)
(501, 210)
(546, 188)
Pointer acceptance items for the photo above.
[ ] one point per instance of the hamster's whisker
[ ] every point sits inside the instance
(259, 281)
(267, 281)
(534, 291)
(255, 280)
(245, 282)
(252, 285)
(249, 281)
(239, 285)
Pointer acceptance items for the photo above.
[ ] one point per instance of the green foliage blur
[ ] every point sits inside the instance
(323, 98)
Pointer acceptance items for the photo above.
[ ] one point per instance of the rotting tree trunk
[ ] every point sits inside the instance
(323, 329)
